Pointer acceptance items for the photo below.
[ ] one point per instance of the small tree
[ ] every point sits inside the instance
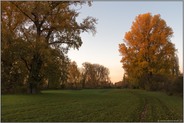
(74, 75)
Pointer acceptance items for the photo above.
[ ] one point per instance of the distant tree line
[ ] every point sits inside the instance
(89, 76)
(149, 57)
(95, 76)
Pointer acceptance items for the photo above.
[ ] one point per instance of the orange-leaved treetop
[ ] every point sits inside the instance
(147, 51)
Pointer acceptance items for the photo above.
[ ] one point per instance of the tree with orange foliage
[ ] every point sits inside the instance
(147, 51)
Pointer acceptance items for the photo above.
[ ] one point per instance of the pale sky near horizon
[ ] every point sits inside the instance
(114, 19)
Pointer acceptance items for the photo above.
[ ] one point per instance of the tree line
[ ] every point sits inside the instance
(36, 37)
(149, 57)
(88, 76)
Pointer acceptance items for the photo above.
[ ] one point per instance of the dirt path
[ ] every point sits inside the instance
(144, 108)
(144, 111)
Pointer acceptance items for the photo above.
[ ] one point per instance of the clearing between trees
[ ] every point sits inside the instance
(107, 105)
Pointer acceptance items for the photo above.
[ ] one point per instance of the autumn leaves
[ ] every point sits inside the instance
(148, 52)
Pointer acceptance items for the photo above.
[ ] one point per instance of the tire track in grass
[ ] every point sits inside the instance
(147, 110)
(153, 110)
(169, 114)
(143, 107)
(144, 111)
(152, 104)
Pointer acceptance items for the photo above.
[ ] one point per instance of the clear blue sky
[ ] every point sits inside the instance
(114, 19)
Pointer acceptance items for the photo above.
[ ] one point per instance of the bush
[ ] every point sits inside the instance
(15, 89)
(178, 85)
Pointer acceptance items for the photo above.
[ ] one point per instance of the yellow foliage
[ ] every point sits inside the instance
(147, 46)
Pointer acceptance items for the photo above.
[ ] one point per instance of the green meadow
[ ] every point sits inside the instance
(92, 105)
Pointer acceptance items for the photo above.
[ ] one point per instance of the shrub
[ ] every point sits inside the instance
(178, 85)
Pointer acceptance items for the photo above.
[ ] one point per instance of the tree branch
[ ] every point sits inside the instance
(22, 11)
(60, 42)
(48, 13)
(27, 66)
(48, 35)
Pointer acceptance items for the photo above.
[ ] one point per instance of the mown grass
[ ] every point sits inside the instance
(92, 105)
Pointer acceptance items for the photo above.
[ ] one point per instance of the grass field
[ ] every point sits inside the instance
(92, 105)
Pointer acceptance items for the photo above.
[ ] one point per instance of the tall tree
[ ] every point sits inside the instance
(147, 49)
(44, 26)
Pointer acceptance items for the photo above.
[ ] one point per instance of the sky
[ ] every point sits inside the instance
(114, 20)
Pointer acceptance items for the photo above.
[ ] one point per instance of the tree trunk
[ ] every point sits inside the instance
(83, 83)
(34, 75)
(150, 82)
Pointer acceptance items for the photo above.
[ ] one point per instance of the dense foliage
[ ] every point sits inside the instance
(35, 39)
(148, 56)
